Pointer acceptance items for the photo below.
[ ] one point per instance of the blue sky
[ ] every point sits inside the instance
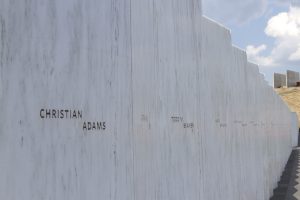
(269, 30)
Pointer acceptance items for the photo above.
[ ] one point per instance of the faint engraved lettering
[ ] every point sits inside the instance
(177, 119)
(188, 125)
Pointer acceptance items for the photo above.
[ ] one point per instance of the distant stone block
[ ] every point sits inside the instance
(279, 80)
(292, 78)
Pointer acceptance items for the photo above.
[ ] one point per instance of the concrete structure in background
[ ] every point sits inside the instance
(123, 100)
(279, 80)
(292, 78)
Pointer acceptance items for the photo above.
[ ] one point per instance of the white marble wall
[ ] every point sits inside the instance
(279, 80)
(187, 117)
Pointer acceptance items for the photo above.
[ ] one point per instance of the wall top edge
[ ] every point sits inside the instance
(290, 71)
(279, 74)
(215, 22)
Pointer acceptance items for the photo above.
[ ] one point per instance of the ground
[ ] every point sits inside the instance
(292, 98)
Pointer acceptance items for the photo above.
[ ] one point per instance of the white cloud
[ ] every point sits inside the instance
(252, 50)
(285, 29)
(286, 24)
(254, 55)
(295, 56)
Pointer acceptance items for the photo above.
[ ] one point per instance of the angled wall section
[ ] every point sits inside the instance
(65, 55)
